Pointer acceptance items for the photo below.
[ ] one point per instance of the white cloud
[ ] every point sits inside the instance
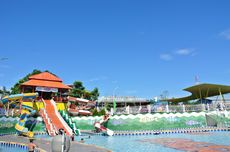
(166, 57)
(115, 81)
(179, 52)
(4, 66)
(2, 59)
(94, 79)
(97, 79)
(185, 51)
(131, 91)
(226, 34)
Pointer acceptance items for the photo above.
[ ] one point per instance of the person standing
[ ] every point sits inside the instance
(31, 146)
(72, 136)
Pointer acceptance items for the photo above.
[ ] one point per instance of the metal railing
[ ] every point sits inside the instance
(170, 108)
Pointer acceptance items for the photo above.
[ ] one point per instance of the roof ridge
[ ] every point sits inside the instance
(47, 76)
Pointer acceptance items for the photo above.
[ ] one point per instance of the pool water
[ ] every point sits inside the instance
(135, 144)
(12, 149)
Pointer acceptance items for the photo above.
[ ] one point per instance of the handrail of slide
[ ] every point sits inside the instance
(60, 118)
(53, 128)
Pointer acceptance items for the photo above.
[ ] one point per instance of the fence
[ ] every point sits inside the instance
(171, 108)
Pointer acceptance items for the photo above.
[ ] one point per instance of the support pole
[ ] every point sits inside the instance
(207, 93)
(23, 89)
(200, 95)
(20, 109)
(60, 95)
(221, 95)
(8, 108)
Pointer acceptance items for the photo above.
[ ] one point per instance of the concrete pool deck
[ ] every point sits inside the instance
(46, 144)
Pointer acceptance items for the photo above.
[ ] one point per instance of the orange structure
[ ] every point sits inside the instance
(50, 90)
(47, 85)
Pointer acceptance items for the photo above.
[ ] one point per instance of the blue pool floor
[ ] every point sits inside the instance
(134, 144)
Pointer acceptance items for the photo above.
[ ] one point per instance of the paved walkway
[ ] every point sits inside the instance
(46, 144)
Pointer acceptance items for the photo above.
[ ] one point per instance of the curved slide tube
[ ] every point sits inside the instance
(27, 111)
(16, 97)
(101, 128)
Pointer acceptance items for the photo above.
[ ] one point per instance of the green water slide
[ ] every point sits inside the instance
(69, 121)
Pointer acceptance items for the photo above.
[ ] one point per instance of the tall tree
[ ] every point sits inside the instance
(16, 88)
(77, 90)
(4, 92)
(87, 95)
(95, 94)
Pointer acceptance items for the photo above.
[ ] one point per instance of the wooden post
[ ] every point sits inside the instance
(200, 95)
(20, 109)
(60, 95)
(23, 89)
(8, 108)
(207, 93)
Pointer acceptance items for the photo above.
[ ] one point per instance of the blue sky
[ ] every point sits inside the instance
(141, 48)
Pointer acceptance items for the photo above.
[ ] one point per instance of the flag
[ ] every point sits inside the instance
(114, 105)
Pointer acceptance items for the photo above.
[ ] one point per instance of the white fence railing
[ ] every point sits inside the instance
(171, 108)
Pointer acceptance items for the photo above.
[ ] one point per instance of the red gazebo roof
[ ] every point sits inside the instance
(45, 79)
(45, 76)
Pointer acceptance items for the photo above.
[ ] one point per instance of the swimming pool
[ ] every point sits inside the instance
(11, 149)
(149, 143)
(144, 142)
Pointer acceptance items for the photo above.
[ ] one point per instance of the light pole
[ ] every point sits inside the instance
(114, 103)
(3, 89)
(114, 91)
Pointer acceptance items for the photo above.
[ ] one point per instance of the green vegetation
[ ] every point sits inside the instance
(98, 113)
(16, 88)
(79, 91)
(4, 92)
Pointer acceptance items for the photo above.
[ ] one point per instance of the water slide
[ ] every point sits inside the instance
(72, 125)
(20, 126)
(55, 118)
(25, 113)
(74, 111)
(52, 131)
(217, 119)
(100, 128)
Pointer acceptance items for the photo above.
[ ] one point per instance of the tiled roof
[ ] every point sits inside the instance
(45, 76)
(43, 83)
